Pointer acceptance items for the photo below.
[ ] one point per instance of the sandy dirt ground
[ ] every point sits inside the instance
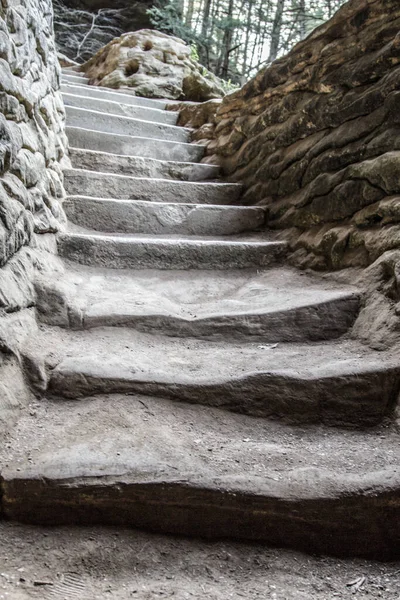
(106, 563)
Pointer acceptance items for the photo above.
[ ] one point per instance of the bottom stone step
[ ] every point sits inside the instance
(193, 471)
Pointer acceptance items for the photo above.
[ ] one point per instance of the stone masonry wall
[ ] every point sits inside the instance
(32, 142)
(315, 138)
(32, 148)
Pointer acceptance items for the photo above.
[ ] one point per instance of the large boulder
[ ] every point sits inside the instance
(155, 65)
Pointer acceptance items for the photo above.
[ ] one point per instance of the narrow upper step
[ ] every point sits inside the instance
(278, 305)
(167, 252)
(136, 216)
(125, 96)
(82, 81)
(78, 181)
(127, 145)
(115, 124)
(75, 78)
(139, 166)
(150, 464)
(118, 108)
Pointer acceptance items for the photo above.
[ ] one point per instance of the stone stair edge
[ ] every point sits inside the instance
(129, 97)
(219, 207)
(144, 108)
(183, 183)
(323, 507)
(167, 126)
(137, 156)
(256, 239)
(135, 137)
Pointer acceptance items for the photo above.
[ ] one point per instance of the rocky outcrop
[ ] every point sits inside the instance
(155, 65)
(315, 138)
(32, 148)
(134, 14)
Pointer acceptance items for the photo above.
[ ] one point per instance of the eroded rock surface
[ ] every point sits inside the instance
(315, 138)
(32, 148)
(155, 65)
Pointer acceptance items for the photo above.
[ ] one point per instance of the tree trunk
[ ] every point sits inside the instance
(189, 13)
(247, 38)
(206, 18)
(227, 42)
(302, 19)
(276, 31)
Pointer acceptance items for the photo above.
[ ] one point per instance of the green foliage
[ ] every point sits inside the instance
(168, 18)
(229, 86)
(194, 54)
(235, 38)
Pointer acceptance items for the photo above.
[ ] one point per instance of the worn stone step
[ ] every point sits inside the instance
(78, 181)
(167, 252)
(125, 96)
(75, 78)
(119, 108)
(72, 71)
(81, 117)
(151, 464)
(338, 383)
(136, 216)
(139, 166)
(277, 305)
(127, 145)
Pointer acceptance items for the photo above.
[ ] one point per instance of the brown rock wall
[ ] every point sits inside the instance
(315, 138)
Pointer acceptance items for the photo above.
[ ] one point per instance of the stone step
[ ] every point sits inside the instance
(136, 216)
(277, 305)
(75, 78)
(72, 71)
(126, 145)
(118, 108)
(81, 117)
(139, 166)
(125, 96)
(338, 383)
(120, 251)
(123, 187)
(151, 464)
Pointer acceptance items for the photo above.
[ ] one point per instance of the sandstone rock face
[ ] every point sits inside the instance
(32, 148)
(155, 65)
(315, 138)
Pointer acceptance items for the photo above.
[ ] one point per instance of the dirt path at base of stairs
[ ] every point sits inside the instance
(106, 563)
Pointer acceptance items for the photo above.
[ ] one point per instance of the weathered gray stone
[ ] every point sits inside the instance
(277, 305)
(118, 108)
(338, 384)
(181, 469)
(139, 166)
(155, 65)
(133, 146)
(153, 190)
(136, 216)
(32, 122)
(168, 252)
(88, 119)
(124, 96)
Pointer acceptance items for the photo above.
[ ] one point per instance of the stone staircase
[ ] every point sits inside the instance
(193, 382)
